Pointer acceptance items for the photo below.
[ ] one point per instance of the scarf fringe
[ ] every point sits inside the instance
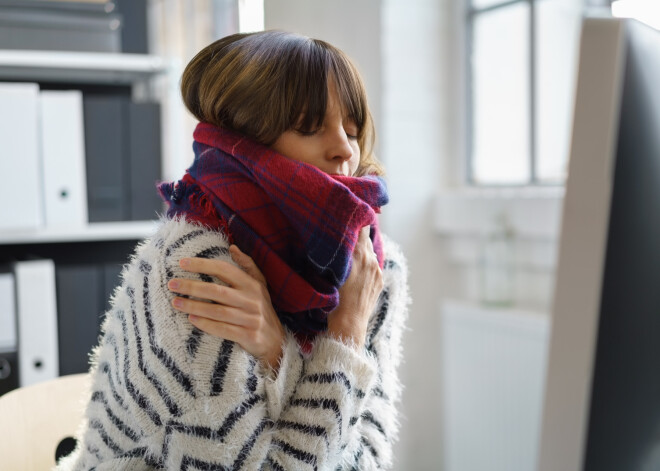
(199, 208)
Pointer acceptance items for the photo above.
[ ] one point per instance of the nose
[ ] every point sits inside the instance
(339, 146)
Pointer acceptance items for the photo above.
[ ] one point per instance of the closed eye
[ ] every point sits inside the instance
(350, 129)
(306, 133)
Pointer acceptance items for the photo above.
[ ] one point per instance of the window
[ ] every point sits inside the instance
(647, 11)
(521, 76)
(250, 15)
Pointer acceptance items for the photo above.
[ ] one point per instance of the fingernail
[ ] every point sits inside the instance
(178, 302)
(192, 317)
(173, 284)
(185, 262)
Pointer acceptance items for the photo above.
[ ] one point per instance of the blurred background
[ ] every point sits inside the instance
(472, 101)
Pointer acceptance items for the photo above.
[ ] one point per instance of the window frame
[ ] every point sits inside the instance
(470, 14)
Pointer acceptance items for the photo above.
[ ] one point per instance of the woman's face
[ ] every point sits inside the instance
(332, 148)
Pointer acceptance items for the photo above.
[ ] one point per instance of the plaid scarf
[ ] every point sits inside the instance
(298, 224)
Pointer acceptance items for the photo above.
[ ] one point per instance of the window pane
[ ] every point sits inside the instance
(250, 15)
(558, 30)
(500, 93)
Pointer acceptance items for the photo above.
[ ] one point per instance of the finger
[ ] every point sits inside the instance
(245, 261)
(225, 271)
(217, 329)
(364, 241)
(365, 236)
(207, 291)
(364, 232)
(211, 312)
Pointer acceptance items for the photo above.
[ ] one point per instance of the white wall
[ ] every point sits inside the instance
(415, 139)
(400, 47)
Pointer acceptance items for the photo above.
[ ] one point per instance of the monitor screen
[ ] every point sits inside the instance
(602, 400)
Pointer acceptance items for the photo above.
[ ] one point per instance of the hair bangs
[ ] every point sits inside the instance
(351, 92)
(312, 68)
(308, 87)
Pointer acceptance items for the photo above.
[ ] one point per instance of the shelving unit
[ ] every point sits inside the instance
(88, 258)
(82, 67)
(94, 232)
(149, 76)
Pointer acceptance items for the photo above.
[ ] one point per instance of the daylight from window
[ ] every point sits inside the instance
(250, 15)
(522, 79)
(647, 11)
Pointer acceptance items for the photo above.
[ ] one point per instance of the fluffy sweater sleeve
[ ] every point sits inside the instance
(164, 395)
(376, 429)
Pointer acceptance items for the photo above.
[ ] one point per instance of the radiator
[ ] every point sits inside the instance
(494, 364)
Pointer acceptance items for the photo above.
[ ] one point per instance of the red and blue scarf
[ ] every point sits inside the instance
(299, 225)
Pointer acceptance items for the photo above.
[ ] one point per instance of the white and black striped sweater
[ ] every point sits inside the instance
(165, 395)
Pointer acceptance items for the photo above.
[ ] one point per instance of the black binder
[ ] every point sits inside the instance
(80, 311)
(8, 371)
(134, 27)
(145, 157)
(123, 156)
(107, 195)
(8, 331)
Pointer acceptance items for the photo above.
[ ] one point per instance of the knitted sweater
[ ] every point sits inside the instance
(165, 395)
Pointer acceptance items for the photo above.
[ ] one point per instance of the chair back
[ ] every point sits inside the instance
(35, 419)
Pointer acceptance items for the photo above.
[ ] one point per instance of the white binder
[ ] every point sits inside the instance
(38, 358)
(63, 158)
(19, 157)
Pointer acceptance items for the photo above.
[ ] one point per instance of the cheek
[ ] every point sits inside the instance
(355, 160)
(290, 146)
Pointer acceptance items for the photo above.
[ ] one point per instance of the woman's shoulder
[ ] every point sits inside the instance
(176, 238)
(174, 233)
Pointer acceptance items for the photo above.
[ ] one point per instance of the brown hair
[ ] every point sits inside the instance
(261, 84)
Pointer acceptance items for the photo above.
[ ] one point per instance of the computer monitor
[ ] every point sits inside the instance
(602, 396)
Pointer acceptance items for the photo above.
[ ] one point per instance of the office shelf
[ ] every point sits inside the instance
(100, 231)
(81, 67)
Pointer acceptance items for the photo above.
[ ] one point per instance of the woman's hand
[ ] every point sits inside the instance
(241, 312)
(359, 294)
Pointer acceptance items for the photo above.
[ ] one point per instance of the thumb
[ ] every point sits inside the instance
(363, 236)
(244, 261)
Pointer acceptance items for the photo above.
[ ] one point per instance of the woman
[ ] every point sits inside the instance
(287, 357)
